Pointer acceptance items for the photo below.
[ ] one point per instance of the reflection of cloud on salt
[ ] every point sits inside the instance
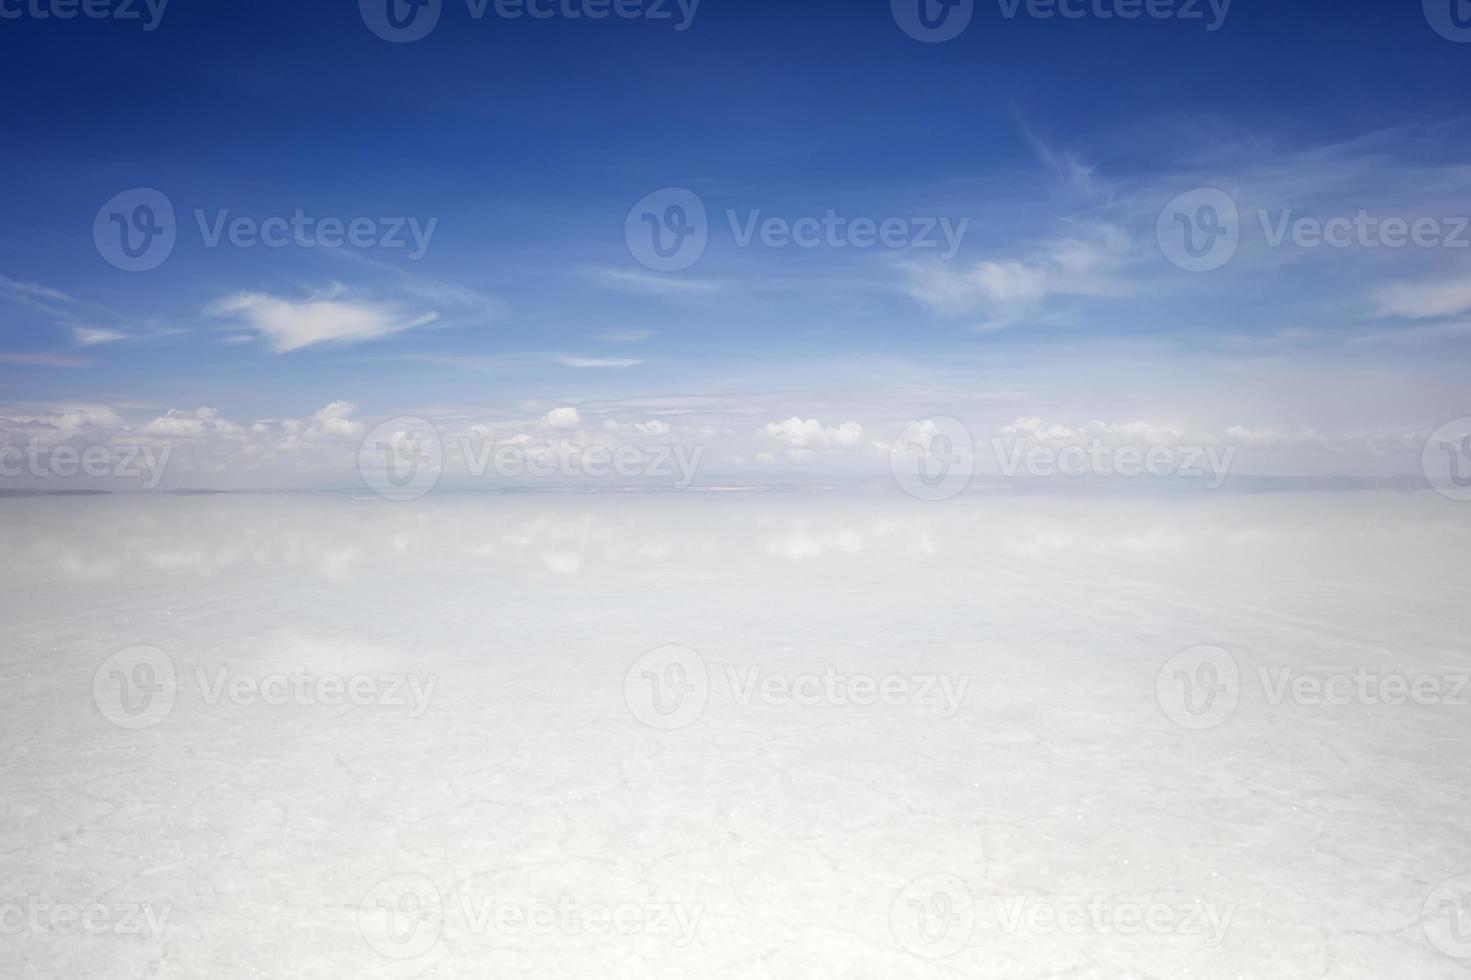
(564, 563)
(1049, 541)
(802, 544)
(339, 565)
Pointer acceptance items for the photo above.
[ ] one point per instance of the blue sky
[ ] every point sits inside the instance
(526, 143)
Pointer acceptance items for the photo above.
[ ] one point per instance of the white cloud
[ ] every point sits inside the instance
(1011, 289)
(1065, 164)
(58, 426)
(1144, 434)
(563, 418)
(1375, 442)
(289, 325)
(336, 420)
(92, 336)
(647, 282)
(1430, 333)
(30, 290)
(1418, 301)
(1138, 433)
(809, 434)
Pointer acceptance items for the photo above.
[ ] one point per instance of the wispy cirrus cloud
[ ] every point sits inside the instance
(597, 362)
(649, 283)
(31, 292)
(1082, 178)
(325, 318)
(1423, 300)
(94, 336)
(1007, 290)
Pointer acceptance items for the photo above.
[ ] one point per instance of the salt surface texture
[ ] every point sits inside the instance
(736, 735)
